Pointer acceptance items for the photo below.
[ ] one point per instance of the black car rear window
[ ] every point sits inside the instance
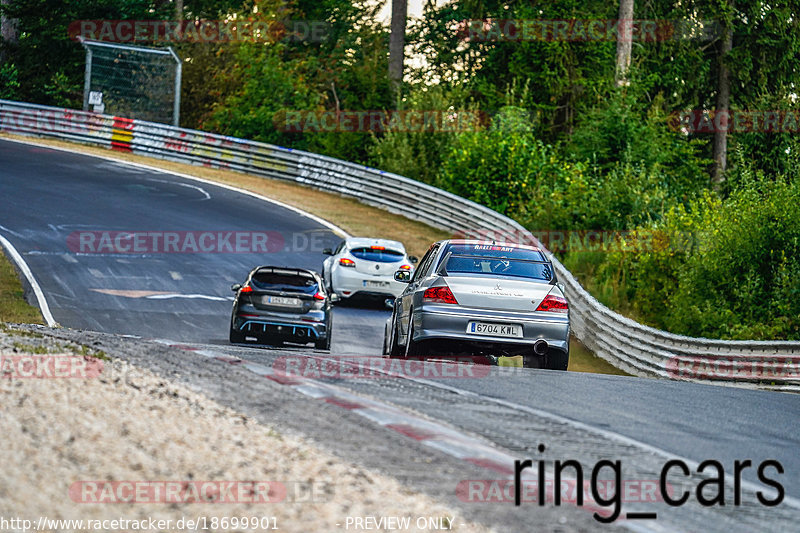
(499, 267)
(494, 250)
(377, 254)
(272, 281)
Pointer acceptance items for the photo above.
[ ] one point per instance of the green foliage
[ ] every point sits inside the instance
(266, 84)
(50, 65)
(510, 170)
(62, 91)
(729, 268)
(419, 154)
(743, 279)
(625, 128)
(269, 82)
(9, 81)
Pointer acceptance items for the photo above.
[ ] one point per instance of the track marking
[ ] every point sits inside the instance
(12, 232)
(37, 290)
(611, 435)
(195, 187)
(128, 293)
(68, 258)
(96, 273)
(431, 433)
(175, 275)
(160, 295)
(171, 295)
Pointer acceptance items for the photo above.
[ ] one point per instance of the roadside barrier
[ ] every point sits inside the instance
(633, 347)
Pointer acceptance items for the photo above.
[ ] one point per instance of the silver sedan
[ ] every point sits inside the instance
(481, 298)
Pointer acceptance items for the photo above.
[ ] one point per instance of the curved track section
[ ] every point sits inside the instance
(47, 195)
(51, 198)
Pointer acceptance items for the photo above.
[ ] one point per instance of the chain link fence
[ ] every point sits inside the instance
(132, 81)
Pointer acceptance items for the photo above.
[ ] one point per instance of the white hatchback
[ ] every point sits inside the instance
(362, 266)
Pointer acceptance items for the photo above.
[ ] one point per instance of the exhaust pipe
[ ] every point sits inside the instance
(540, 347)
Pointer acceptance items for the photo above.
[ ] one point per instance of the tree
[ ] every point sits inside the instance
(397, 43)
(8, 27)
(722, 109)
(624, 41)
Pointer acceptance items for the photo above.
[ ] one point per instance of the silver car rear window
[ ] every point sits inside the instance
(499, 267)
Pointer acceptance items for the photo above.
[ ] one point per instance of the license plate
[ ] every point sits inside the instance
(375, 284)
(280, 300)
(494, 329)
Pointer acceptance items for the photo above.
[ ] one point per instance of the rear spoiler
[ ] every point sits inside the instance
(286, 271)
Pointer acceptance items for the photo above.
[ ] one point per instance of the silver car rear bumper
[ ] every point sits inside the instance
(443, 321)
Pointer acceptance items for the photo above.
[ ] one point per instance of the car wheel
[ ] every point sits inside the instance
(533, 361)
(236, 337)
(557, 360)
(323, 344)
(394, 348)
(270, 340)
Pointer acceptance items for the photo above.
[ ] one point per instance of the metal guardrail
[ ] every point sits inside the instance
(633, 347)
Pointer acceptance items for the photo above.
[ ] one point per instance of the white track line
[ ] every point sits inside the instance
(611, 435)
(440, 436)
(26, 271)
(333, 227)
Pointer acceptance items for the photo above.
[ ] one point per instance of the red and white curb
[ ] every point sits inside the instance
(429, 433)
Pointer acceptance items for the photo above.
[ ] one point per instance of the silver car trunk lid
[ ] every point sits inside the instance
(488, 292)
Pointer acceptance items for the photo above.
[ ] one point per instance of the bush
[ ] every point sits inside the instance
(508, 169)
(419, 154)
(9, 81)
(623, 128)
(737, 277)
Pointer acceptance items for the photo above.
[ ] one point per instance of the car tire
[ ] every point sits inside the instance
(394, 348)
(323, 344)
(557, 360)
(412, 348)
(236, 337)
(533, 361)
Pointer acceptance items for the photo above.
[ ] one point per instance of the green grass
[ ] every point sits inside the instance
(13, 307)
(580, 360)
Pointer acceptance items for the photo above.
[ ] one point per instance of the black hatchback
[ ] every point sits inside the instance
(279, 304)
